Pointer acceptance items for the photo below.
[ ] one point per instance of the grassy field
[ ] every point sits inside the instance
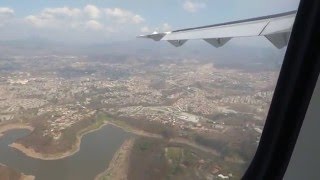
(158, 159)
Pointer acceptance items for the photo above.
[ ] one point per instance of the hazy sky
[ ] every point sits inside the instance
(109, 20)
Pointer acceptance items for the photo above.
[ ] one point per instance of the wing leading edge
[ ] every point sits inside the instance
(276, 28)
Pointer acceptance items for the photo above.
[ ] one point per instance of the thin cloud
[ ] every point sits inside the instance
(193, 6)
(6, 14)
(94, 25)
(5, 11)
(124, 16)
(92, 11)
(61, 12)
(88, 23)
(145, 29)
(54, 17)
(165, 27)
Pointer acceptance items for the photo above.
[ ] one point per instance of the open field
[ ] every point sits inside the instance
(159, 159)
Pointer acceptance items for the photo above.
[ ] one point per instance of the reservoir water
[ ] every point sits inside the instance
(96, 151)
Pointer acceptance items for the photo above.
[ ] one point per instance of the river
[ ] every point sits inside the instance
(96, 151)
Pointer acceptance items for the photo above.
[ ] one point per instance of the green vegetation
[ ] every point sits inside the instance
(174, 153)
(47, 145)
(147, 160)
(160, 159)
(144, 146)
(106, 178)
(217, 144)
(175, 156)
(103, 117)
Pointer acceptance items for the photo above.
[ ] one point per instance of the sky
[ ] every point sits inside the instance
(96, 21)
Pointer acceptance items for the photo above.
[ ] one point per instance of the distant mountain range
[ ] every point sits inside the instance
(229, 55)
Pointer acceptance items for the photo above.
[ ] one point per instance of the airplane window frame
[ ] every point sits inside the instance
(294, 89)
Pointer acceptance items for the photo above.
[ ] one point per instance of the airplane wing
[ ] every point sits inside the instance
(276, 28)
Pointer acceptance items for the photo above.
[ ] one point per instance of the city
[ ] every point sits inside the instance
(190, 107)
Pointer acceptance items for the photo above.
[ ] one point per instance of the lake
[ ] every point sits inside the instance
(96, 151)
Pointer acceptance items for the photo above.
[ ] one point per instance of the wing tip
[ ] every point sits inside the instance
(154, 36)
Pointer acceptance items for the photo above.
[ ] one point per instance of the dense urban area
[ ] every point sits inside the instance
(192, 119)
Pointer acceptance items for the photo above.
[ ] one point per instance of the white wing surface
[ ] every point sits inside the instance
(276, 28)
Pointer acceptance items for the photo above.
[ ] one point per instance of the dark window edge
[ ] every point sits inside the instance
(297, 80)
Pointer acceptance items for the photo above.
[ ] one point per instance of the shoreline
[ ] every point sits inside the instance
(137, 131)
(76, 146)
(27, 177)
(8, 127)
(119, 165)
(176, 140)
(30, 152)
(22, 175)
